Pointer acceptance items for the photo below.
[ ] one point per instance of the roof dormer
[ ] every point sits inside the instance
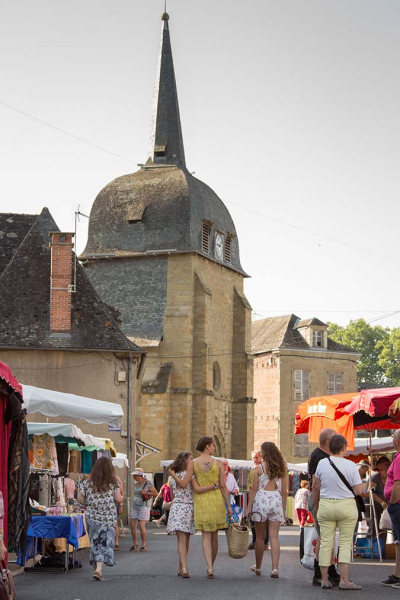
(315, 333)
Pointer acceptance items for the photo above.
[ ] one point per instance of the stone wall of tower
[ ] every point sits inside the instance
(207, 321)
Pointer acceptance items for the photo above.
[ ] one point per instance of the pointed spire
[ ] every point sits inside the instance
(166, 142)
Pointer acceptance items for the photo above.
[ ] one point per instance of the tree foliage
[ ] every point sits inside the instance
(379, 348)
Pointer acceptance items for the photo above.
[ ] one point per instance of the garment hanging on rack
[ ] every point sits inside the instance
(75, 462)
(45, 453)
(62, 458)
(86, 465)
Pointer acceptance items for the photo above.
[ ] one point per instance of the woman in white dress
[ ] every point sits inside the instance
(267, 502)
(181, 516)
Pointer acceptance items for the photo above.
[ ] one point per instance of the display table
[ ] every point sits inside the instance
(70, 527)
(83, 541)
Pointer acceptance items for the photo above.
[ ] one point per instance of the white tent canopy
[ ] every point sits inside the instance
(120, 461)
(67, 430)
(60, 404)
(363, 445)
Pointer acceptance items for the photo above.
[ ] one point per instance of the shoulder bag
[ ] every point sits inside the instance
(359, 499)
(7, 588)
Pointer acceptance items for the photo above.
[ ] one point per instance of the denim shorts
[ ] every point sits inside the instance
(394, 512)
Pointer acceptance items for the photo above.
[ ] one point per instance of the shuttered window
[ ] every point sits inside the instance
(301, 445)
(228, 249)
(335, 383)
(301, 385)
(205, 238)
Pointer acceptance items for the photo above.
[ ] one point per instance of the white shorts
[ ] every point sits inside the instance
(141, 514)
(267, 506)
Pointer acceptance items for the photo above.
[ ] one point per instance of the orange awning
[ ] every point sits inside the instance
(319, 412)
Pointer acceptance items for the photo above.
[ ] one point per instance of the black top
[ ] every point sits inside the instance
(315, 457)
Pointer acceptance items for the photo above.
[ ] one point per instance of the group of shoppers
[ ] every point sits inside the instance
(199, 491)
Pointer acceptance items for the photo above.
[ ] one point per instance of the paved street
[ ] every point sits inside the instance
(152, 575)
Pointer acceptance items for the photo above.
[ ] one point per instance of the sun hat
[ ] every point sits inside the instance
(137, 472)
(364, 463)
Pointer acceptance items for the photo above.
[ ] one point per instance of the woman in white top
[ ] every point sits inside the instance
(267, 502)
(336, 508)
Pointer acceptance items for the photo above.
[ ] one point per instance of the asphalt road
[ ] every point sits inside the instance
(152, 576)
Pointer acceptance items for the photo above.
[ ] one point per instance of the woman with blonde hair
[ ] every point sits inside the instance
(209, 507)
(100, 493)
(267, 502)
(181, 517)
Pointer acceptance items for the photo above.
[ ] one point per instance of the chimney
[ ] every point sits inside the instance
(61, 281)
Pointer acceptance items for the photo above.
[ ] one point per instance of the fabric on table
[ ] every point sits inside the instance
(209, 508)
(86, 464)
(71, 528)
(62, 458)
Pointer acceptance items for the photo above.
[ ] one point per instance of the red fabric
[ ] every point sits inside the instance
(375, 403)
(166, 492)
(302, 515)
(4, 443)
(6, 374)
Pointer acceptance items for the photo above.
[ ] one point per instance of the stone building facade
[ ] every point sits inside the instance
(295, 360)
(163, 252)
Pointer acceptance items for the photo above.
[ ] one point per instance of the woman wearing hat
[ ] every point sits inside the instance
(140, 510)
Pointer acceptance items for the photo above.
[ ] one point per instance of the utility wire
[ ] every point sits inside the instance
(260, 214)
(76, 137)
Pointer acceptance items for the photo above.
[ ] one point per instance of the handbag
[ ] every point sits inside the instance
(385, 521)
(359, 499)
(7, 587)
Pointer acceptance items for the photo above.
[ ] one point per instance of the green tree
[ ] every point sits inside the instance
(370, 342)
(389, 357)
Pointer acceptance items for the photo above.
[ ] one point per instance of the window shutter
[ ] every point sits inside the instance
(297, 385)
(301, 445)
(205, 238)
(331, 383)
(306, 385)
(339, 383)
(228, 249)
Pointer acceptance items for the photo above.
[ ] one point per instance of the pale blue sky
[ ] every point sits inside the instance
(289, 109)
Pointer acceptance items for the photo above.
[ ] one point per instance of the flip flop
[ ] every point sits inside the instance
(97, 576)
(143, 549)
(133, 548)
(116, 547)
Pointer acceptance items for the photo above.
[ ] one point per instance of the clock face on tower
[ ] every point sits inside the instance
(219, 246)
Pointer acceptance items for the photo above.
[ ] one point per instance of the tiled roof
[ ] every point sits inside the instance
(25, 302)
(282, 332)
(308, 322)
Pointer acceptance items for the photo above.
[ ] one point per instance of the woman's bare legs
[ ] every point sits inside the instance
(142, 527)
(134, 531)
(99, 567)
(260, 541)
(274, 543)
(183, 547)
(207, 548)
(214, 545)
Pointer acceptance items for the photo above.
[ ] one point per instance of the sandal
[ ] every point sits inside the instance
(185, 573)
(143, 549)
(275, 574)
(116, 547)
(210, 573)
(255, 570)
(179, 572)
(133, 548)
(97, 576)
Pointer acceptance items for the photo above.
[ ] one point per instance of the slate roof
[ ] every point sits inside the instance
(13, 229)
(25, 301)
(282, 332)
(162, 207)
(308, 322)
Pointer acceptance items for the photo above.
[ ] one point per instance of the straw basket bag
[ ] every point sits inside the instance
(238, 539)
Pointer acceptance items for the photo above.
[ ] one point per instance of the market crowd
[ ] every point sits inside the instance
(198, 497)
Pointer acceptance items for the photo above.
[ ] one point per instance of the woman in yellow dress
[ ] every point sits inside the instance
(209, 508)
